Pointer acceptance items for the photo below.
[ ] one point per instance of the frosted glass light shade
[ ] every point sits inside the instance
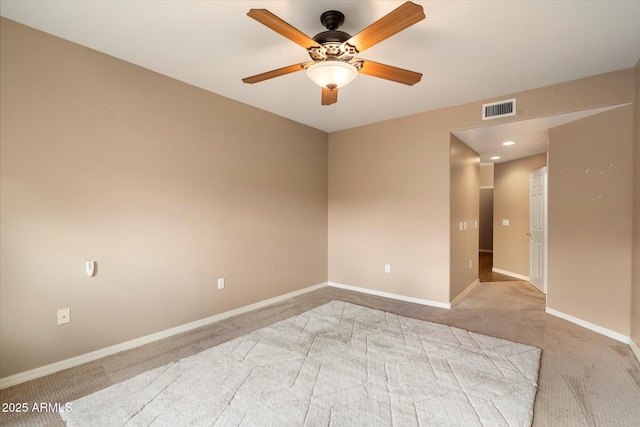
(332, 74)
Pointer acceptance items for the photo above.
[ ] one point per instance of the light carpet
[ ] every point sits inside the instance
(337, 365)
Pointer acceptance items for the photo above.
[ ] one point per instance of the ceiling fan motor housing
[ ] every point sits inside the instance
(332, 36)
(332, 42)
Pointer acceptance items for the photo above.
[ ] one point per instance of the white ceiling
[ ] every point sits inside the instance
(467, 50)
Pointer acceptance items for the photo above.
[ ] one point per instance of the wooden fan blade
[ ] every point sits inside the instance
(267, 18)
(390, 24)
(276, 73)
(388, 72)
(329, 96)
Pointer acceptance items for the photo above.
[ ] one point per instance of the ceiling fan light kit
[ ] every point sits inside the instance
(332, 74)
(333, 52)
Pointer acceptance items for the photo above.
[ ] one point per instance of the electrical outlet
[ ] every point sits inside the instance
(64, 316)
(387, 268)
(221, 283)
(470, 263)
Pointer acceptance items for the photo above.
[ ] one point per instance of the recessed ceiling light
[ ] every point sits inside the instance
(508, 143)
(495, 157)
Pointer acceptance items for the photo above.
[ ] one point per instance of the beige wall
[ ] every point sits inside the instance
(635, 308)
(486, 207)
(168, 187)
(511, 202)
(464, 201)
(389, 204)
(486, 175)
(486, 220)
(590, 219)
(389, 187)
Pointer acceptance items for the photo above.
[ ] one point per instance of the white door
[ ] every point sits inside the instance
(538, 229)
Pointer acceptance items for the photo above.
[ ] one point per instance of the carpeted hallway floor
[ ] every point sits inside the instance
(585, 379)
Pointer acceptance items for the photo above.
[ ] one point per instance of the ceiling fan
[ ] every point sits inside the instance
(333, 52)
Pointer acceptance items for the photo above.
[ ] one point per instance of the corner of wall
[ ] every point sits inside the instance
(464, 203)
(635, 269)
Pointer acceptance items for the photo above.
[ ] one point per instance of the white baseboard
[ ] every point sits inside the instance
(635, 349)
(464, 293)
(392, 296)
(508, 273)
(94, 355)
(591, 326)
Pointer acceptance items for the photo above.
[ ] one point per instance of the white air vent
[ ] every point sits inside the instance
(499, 109)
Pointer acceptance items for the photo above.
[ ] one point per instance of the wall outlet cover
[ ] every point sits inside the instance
(64, 316)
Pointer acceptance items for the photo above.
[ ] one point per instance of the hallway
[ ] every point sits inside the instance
(485, 273)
